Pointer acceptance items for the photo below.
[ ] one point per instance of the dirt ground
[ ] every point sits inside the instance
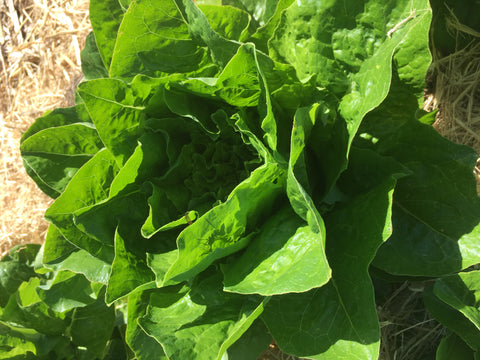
(40, 44)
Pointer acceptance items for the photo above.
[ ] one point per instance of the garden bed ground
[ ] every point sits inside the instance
(40, 43)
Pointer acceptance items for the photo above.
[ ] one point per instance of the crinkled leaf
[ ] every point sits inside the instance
(431, 236)
(186, 134)
(68, 140)
(349, 47)
(202, 172)
(106, 17)
(129, 268)
(261, 10)
(116, 114)
(412, 57)
(53, 155)
(154, 39)
(15, 268)
(198, 26)
(366, 93)
(339, 319)
(202, 321)
(298, 190)
(336, 38)
(67, 291)
(89, 186)
(58, 117)
(224, 229)
(285, 256)
(59, 254)
(229, 22)
(250, 79)
(160, 263)
(119, 110)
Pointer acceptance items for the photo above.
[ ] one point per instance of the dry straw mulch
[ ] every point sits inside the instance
(40, 43)
(457, 97)
(456, 91)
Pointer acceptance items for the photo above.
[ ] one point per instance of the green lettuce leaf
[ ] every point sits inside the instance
(261, 11)
(453, 347)
(227, 21)
(339, 319)
(92, 63)
(56, 146)
(92, 326)
(224, 229)
(429, 237)
(106, 17)
(462, 292)
(129, 268)
(454, 301)
(285, 256)
(190, 332)
(21, 343)
(26, 308)
(15, 268)
(154, 39)
(137, 339)
(59, 254)
(452, 319)
(252, 343)
(228, 156)
(89, 186)
(67, 291)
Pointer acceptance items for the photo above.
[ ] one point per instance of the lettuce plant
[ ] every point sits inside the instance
(231, 173)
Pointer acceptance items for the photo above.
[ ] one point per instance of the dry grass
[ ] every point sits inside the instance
(40, 43)
(456, 93)
(407, 330)
(457, 96)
